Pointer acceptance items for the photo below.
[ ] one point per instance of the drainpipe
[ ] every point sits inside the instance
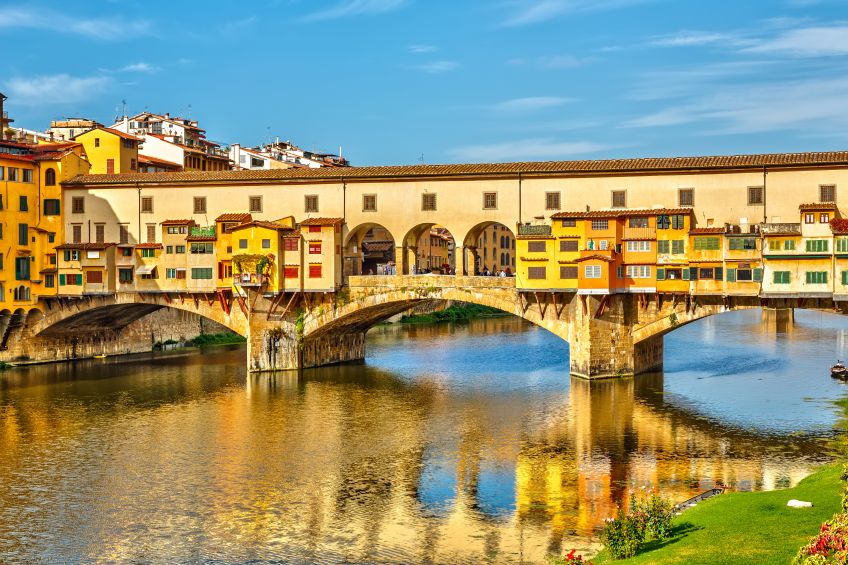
(138, 188)
(519, 197)
(765, 216)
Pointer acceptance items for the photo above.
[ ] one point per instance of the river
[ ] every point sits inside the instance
(451, 443)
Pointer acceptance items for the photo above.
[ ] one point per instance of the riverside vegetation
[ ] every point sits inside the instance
(456, 313)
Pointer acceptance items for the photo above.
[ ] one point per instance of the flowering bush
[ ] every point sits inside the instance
(656, 513)
(623, 536)
(570, 559)
(829, 546)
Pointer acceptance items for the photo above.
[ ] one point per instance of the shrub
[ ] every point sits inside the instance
(570, 559)
(829, 546)
(623, 536)
(656, 512)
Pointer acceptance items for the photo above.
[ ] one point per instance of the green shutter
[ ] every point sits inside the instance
(693, 273)
(685, 273)
(731, 275)
(61, 280)
(809, 243)
(789, 245)
(660, 274)
(844, 277)
(662, 246)
(758, 275)
(718, 273)
(677, 246)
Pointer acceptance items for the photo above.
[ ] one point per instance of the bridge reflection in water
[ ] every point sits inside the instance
(479, 450)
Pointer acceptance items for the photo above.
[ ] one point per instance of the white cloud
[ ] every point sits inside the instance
(693, 38)
(140, 67)
(423, 48)
(347, 8)
(57, 89)
(526, 149)
(526, 12)
(818, 41)
(530, 104)
(437, 67)
(106, 29)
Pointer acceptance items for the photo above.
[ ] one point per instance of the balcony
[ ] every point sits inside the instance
(780, 229)
(202, 231)
(539, 230)
(639, 233)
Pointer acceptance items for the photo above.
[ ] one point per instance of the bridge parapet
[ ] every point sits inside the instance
(434, 281)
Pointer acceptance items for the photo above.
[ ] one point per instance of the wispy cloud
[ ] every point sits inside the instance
(528, 105)
(59, 89)
(820, 41)
(437, 67)
(526, 149)
(105, 28)
(526, 12)
(696, 38)
(423, 48)
(551, 62)
(140, 67)
(348, 8)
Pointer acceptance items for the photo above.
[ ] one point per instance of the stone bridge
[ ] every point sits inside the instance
(608, 335)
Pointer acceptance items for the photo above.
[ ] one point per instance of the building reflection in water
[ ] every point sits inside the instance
(185, 457)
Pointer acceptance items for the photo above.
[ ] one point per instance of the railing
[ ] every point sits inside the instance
(429, 281)
(534, 230)
(782, 228)
(204, 231)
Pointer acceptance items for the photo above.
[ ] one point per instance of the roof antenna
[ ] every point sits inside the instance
(421, 159)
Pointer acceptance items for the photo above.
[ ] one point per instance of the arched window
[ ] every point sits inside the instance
(22, 293)
(50, 177)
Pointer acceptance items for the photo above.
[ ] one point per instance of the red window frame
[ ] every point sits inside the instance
(314, 271)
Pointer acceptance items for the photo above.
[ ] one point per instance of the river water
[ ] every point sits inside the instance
(452, 443)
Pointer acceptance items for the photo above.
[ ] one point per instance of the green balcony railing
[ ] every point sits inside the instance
(207, 231)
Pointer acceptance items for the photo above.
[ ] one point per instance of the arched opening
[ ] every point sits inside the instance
(369, 250)
(50, 177)
(21, 293)
(429, 249)
(489, 248)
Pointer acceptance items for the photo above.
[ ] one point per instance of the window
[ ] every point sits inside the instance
(256, 162)
(27, 175)
(663, 222)
(51, 207)
(842, 245)
(78, 205)
(169, 250)
(71, 255)
(314, 271)
(678, 222)
(816, 277)
(809, 218)
(76, 230)
(742, 243)
(23, 234)
(705, 273)
(755, 195)
(369, 202)
(148, 252)
(603, 245)
(266, 244)
(13, 174)
(663, 246)
(677, 246)
(568, 223)
(568, 272)
(147, 204)
(827, 193)
(310, 203)
(125, 276)
(110, 166)
(592, 271)
(151, 233)
(536, 273)
(600, 224)
(49, 281)
(638, 245)
(619, 272)
(290, 244)
(175, 274)
(97, 142)
(254, 204)
(782, 277)
(24, 205)
(568, 245)
(707, 243)
(686, 197)
(22, 268)
(126, 252)
(824, 218)
(490, 200)
(744, 275)
(180, 248)
(177, 230)
(639, 271)
(619, 198)
(199, 204)
(789, 245)
(201, 273)
(94, 277)
(637, 222)
(536, 246)
(133, 164)
(314, 247)
(201, 248)
(50, 177)
(92, 254)
(314, 229)
(290, 272)
(428, 202)
(242, 244)
(2, 173)
(100, 233)
(817, 245)
(552, 201)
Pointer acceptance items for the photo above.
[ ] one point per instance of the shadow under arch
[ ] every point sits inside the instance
(368, 248)
(489, 245)
(429, 247)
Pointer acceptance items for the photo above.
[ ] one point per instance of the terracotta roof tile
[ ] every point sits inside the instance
(177, 222)
(595, 256)
(620, 213)
(321, 221)
(704, 231)
(817, 206)
(149, 246)
(234, 217)
(201, 238)
(658, 164)
(262, 224)
(86, 246)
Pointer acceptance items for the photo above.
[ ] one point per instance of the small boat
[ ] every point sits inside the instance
(839, 371)
(100, 356)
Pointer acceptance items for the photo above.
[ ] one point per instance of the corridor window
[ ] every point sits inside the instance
(552, 201)
(686, 197)
(592, 271)
(817, 245)
(310, 203)
(568, 223)
(201, 248)
(638, 245)
(742, 243)
(199, 204)
(705, 274)
(147, 204)
(428, 202)
(201, 273)
(744, 275)
(490, 200)
(755, 195)
(619, 198)
(255, 204)
(598, 225)
(827, 193)
(637, 222)
(707, 243)
(369, 202)
(639, 271)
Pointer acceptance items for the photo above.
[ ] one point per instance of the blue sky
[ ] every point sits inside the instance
(454, 81)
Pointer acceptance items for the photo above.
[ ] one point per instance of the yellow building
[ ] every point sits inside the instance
(110, 151)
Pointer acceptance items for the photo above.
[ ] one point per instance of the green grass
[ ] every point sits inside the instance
(746, 527)
(224, 338)
(454, 314)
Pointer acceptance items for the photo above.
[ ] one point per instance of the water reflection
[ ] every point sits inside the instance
(451, 444)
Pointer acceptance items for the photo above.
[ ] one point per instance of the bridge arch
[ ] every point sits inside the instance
(491, 245)
(429, 247)
(367, 248)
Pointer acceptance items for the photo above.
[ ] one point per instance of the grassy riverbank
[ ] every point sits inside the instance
(454, 314)
(746, 527)
(225, 338)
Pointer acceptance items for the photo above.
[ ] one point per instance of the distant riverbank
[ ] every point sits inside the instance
(456, 313)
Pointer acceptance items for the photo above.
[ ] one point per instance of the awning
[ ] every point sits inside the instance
(145, 270)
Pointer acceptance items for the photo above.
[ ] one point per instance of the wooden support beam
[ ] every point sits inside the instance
(225, 305)
(602, 307)
(585, 305)
(196, 301)
(542, 307)
(274, 304)
(291, 300)
(525, 304)
(242, 305)
(556, 309)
